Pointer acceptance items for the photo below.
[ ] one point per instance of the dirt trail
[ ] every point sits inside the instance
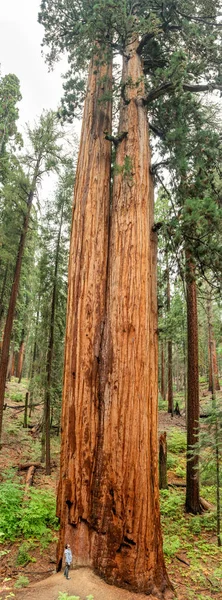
(83, 583)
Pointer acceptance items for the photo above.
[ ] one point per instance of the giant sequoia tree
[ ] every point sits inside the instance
(108, 492)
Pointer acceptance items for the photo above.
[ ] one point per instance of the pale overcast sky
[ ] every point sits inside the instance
(20, 53)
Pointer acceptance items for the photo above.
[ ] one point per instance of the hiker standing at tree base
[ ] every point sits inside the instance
(68, 560)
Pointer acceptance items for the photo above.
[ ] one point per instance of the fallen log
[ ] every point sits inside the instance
(25, 466)
(182, 560)
(37, 465)
(207, 505)
(175, 484)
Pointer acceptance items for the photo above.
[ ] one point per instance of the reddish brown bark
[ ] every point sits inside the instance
(162, 371)
(85, 320)
(193, 504)
(20, 361)
(170, 354)
(108, 499)
(125, 491)
(163, 462)
(212, 352)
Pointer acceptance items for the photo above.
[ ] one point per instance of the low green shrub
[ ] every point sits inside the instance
(176, 441)
(171, 501)
(38, 514)
(162, 404)
(21, 582)
(180, 471)
(23, 556)
(172, 461)
(171, 545)
(17, 396)
(34, 517)
(11, 495)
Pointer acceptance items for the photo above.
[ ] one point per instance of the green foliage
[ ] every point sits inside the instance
(176, 441)
(21, 582)
(34, 517)
(9, 97)
(171, 502)
(17, 397)
(177, 48)
(11, 495)
(172, 461)
(38, 514)
(23, 556)
(171, 545)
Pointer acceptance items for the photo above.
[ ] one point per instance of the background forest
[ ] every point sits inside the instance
(179, 48)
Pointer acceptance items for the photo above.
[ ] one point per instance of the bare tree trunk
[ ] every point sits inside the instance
(2, 296)
(50, 352)
(212, 353)
(10, 364)
(34, 358)
(163, 462)
(214, 406)
(193, 504)
(85, 318)
(20, 359)
(170, 354)
(162, 367)
(25, 422)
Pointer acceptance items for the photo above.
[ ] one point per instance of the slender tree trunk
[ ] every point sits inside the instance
(214, 406)
(170, 354)
(163, 462)
(2, 296)
(20, 357)
(34, 358)
(85, 319)
(12, 301)
(162, 367)
(10, 364)
(212, 353)
(50, 352)
(192, 473)
(25, 422)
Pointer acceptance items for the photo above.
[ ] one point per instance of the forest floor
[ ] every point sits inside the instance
(193, 560)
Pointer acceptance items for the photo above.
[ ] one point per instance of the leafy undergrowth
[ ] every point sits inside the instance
(29, 527)
(192, 556)
(193, 559)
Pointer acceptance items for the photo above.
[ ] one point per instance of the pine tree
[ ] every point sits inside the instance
(43, 158)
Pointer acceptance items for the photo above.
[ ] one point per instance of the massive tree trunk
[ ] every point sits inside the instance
(193, 504)
(125, 506)
(85, 319)
(170, 353)
(108, 499)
